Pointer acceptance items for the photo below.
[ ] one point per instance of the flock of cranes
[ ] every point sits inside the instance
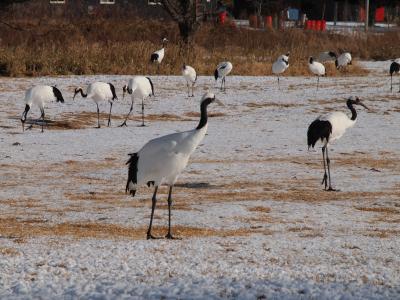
(161, 160)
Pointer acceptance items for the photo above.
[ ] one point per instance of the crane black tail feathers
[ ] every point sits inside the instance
(318, 130)
(216, 74)
(132, 173)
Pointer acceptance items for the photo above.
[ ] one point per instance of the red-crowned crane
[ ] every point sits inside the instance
(140, 87)
(329, 128)
(40, 95)
(221, 71)
(394, 68)
(280, 65)
(189, 73)
(98, 92)
(161, 160)
(343, 60)
(316, 68)
(158, 56)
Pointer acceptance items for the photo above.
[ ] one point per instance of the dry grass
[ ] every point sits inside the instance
(382, 233)
(8, 251)
(387, 210)
(113, 46)
(12, 227)
(261, 209)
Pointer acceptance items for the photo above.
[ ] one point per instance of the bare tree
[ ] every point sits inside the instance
(187, 13)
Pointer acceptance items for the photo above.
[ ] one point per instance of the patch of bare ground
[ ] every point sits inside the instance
(260, 209)
(9, 251)
(85, 119)
(272, 105)
(388, 163)
(164, 117)
(379, 209)
(363, 160)
(306, 232)
(193, 114)
(25, 229)
(381, 233)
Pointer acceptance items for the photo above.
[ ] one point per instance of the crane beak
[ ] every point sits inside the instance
(363, 105)
(219, 102)
(23, 125)
(73, 98)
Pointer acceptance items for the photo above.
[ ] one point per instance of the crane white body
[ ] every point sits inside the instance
(340, 122)
(99, 92)
(158, 56)
(280, 65)
(139, 87)
(189, 73)
(343, 60)
(222, 70)
(39, 96)
(161, 160)
(164, 158)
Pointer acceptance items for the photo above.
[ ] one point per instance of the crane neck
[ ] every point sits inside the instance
(203, 113)
(82, 94)
(352, 109)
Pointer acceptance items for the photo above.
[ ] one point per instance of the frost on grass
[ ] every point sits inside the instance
(251, 211)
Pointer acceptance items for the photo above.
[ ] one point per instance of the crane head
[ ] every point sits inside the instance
(24, 114)
(77, 90)
(126, 89)
(209, 98)
(357, 101)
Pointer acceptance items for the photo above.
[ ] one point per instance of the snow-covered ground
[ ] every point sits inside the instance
(254, 221)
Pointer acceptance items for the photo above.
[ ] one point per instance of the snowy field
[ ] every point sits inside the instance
(254, 220)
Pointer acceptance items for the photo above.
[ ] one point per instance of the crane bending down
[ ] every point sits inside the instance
(40, 95)
(221, 71)
(161, 160)
(328, 129)
(98, 92)
(138, 86)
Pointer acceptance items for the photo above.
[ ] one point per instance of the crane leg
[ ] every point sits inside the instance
(188, 88)
(391, 83)
(127, 116)
(325, 178)
(42, 116)
(153, 206)
(399, 86)
(328, 162)
(279, 87)
(317, 82)
(193, 89)
(109, 115)
(169, 235)
(98, 116)
(142, 113)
